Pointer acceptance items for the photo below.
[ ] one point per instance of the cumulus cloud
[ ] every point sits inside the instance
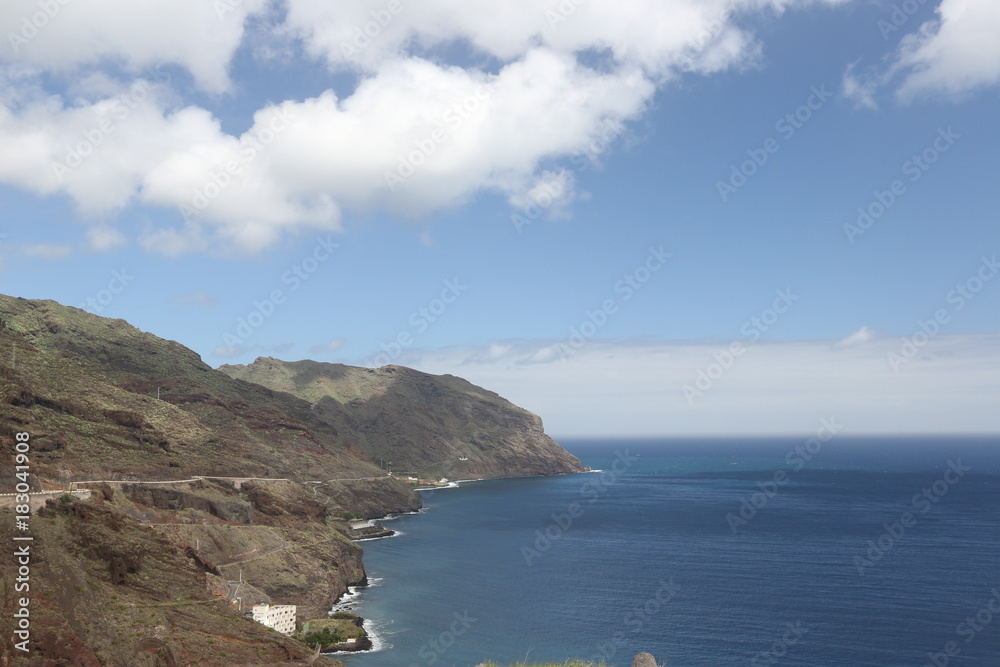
(654, 35)
(953, 55)
(949, 385)
(63, 37)
(417, 134)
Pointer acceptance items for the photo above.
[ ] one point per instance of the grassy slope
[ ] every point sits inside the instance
(84, 387)
(108, 591)
(425, 424)
(87, 385)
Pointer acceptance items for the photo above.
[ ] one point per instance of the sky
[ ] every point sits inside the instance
(669, 217)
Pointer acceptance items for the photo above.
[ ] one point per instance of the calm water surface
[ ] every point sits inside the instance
(708, 553)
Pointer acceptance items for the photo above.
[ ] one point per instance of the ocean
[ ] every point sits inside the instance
(706, 553)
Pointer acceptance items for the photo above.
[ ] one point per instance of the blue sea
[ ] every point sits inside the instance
(706, 553)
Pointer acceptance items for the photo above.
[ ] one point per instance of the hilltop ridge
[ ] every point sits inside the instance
(426, 425)
(209, 493)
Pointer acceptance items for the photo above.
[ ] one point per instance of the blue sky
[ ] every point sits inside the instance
(630, 218)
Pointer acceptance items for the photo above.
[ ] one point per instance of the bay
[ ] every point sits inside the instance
(706, 552)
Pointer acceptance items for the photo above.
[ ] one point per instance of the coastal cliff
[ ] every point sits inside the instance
(197, 494)
(429, 426)
(232, 493)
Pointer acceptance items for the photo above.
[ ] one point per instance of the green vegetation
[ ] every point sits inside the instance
(323, 638)
(428, 426)
(340, 627)
(105, 401)
(340, 615)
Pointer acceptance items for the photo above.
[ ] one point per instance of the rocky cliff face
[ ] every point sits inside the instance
(426, 425)
(89, 386)
(108, 591)
(85, 389)
(201, 479)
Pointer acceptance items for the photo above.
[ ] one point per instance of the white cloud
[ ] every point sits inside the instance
(958, 53)
(860, 87)
(611, 388)
(103, 238)
(859, 337)
(416, 135)
(552, 192)
(954, 55)
(62, 36)
(655, 35)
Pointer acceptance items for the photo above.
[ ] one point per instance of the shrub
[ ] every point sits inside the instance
(324, 637)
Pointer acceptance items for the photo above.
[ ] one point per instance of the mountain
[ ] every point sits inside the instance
(195, 495)
(141, 420)
(427, 426)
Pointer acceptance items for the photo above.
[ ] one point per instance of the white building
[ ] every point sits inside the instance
(281, 617)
